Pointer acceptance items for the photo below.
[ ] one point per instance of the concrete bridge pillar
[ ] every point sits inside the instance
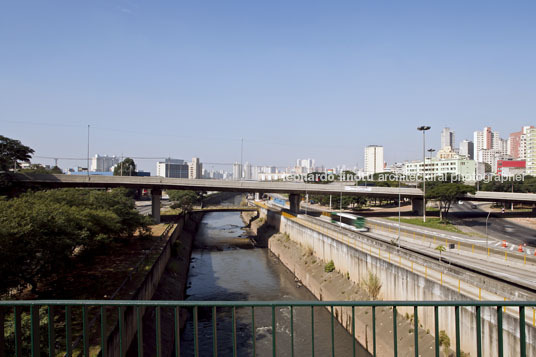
(416, 206)
(156, 195)
(258, 196)
(294, 202)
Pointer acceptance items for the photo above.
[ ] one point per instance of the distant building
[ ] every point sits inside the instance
(174, 168)
(374, 159)
(248, 174)
(517, 143)
(447, 153)
(305, 166)
(488, 140)
(435, 167)
(195, 169)
(467, 149)
(103, 163)
(237, 171)
(510, 167)
(447, 138)
(531, 151)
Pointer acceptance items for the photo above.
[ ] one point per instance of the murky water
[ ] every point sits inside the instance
(220, 270)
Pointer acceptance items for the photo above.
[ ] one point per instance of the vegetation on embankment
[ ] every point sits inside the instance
(43, 233)
(431, 222)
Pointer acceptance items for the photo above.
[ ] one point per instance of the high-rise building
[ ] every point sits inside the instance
(305, 165)
(175, 168)
(373, 159)
(530, 156)
(247, 171)
(103, 163)
(517, 143)
(195, 169)
(488, 140)
(447, 138)
(237, 171)
(467, 149)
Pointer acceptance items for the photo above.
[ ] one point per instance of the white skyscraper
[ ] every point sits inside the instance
(103, 163)
(237, 171)
(247, 171)
(488, 140)
(447, 138)
(373, 159)
(195, 169)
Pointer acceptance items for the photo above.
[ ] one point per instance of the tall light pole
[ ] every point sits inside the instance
(88, 150)
(423, 128)
(398, 238)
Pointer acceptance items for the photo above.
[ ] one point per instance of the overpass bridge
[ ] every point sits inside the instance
(294, 189)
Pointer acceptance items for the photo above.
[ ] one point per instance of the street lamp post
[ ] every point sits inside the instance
(398, 238)
(487, 248)
(423, 128)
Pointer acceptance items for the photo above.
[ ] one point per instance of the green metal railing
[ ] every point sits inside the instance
(95, 339)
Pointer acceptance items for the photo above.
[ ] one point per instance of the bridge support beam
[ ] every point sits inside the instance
(156, 195)
(416, 206)
(294, 202)
(258, 196)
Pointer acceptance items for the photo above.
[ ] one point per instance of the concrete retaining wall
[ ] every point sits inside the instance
(144, 292)
(399, 283)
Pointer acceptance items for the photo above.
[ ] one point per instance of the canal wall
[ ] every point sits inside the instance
(401, 280)
(148, 287)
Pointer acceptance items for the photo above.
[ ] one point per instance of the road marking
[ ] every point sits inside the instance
(496, 244)
(512, 247)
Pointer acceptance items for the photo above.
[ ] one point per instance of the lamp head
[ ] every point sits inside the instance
(423, 128)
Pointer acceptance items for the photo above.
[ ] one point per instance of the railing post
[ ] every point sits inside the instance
(395, 338)
(499, 331)
(522, 333)
(34, 321)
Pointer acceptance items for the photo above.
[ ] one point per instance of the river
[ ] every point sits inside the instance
(226, 266)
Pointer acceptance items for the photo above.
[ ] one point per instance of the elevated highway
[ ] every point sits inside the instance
(294, 189)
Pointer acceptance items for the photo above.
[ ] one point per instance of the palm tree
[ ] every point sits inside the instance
(441, 249)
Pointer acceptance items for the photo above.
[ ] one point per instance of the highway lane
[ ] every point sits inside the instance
(498, 228)
(515, 273)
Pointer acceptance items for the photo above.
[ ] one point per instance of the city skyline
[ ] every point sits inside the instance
(322, 81)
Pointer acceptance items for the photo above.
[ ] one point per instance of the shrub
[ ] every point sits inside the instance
(329, 267)
(372, 285)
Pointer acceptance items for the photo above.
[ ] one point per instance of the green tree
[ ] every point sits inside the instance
(447, 193)
(41, 231)
(127, 167)
(11, 152)
(183, 199)
(40, 169)
(440, 249)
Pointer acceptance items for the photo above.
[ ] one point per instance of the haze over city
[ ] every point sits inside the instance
(294, 80)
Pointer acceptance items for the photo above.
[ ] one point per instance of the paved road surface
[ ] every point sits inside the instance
(498, 228)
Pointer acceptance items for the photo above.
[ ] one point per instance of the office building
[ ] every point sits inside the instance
(435, 167)
(467, 149)
(195, 169)
(237, 171)
(174, 168)
(103, 163)
(447, 138)
(374, 159)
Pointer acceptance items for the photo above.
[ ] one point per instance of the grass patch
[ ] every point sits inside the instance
(431, 222)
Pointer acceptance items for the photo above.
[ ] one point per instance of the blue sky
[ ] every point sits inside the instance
(295, 79)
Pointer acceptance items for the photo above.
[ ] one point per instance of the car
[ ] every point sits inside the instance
(473, 206)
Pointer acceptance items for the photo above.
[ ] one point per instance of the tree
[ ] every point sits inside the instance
(440, 249)
(11, 152)
(184, 200)
(40, 169)
(41, 231)
(127, 167)
(447, 193)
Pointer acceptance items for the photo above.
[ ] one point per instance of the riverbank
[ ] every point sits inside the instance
(172, 286)
(335, 286)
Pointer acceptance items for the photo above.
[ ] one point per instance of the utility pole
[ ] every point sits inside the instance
(88, 150)
(241, 157)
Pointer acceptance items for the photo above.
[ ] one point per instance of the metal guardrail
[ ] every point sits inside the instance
(18, 308)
